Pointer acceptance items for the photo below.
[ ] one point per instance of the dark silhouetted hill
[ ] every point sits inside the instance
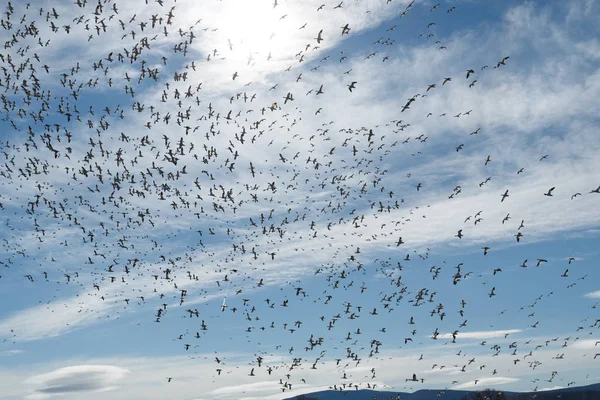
(590, 392)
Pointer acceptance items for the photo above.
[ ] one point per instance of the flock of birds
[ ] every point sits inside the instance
(206, 193)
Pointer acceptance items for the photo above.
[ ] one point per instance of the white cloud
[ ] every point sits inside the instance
(480, 334)
(550, 388)
(486, 382)
(263, 386)
(75, 379)
(11, 352)
(60, 317)
(593, 295)
(587, 344)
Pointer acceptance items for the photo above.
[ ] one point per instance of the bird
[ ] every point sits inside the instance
(287, 98)
(319, 38)
(539, 261)
(503, 61)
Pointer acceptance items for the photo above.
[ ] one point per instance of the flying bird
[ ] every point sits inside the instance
(319, 38)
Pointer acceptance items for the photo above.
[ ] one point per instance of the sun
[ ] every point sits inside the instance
(252, 30)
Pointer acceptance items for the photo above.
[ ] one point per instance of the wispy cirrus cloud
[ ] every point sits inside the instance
(481, 334)
(587, 344)
(39, 322)
(593, 295)
(11, 352)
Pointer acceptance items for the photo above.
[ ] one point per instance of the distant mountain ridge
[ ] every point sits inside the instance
(589, 392)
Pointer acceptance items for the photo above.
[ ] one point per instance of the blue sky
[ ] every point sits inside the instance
(95, 334)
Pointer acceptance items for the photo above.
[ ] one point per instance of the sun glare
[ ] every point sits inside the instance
(252, 30)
